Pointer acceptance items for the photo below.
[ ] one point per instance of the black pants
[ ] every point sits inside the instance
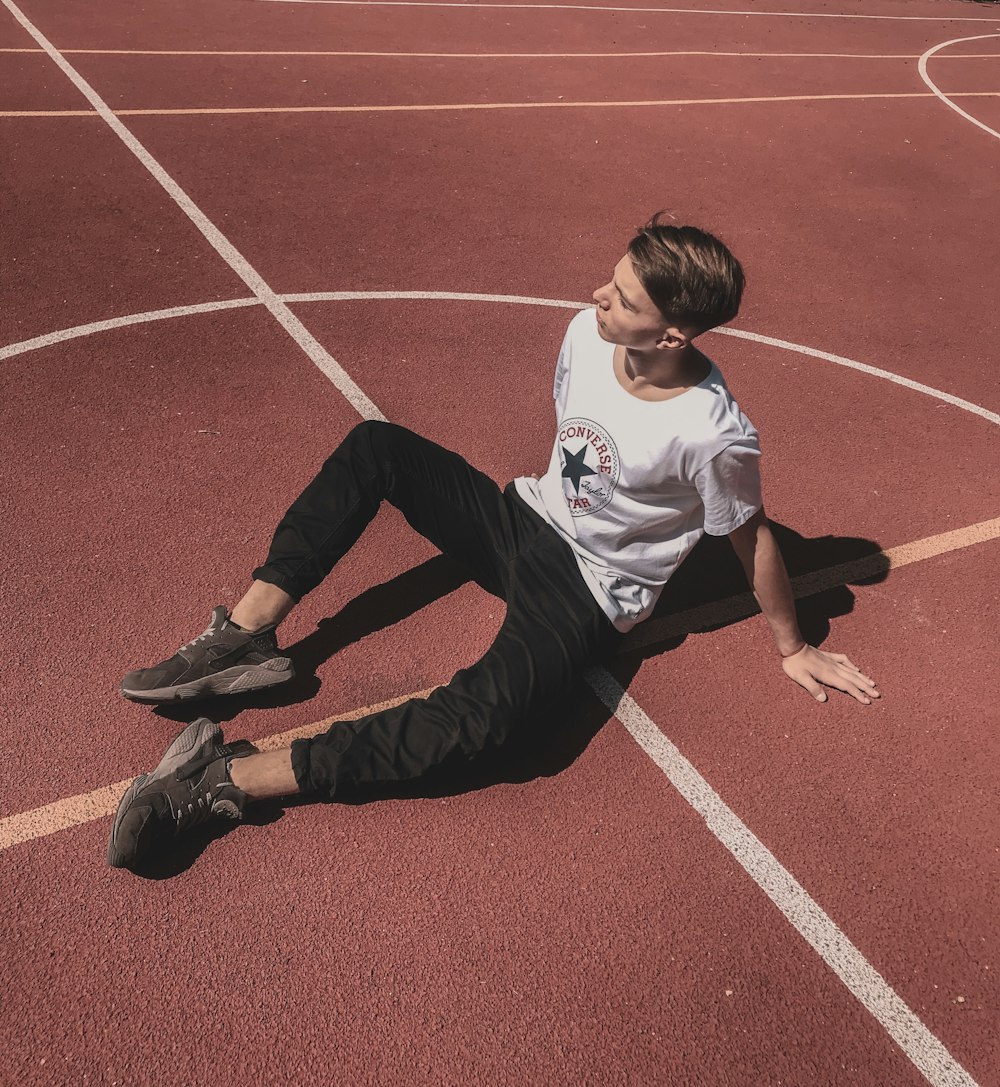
(552, 630)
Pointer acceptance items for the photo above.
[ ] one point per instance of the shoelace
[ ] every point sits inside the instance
(194, 641)
(196, 811)
(262, 639)
(201, 805)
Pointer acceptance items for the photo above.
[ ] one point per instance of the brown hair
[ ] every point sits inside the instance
(689, 275)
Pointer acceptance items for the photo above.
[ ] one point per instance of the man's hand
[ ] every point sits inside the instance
(811, 667)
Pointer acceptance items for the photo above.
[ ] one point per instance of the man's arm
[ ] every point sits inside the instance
(757, 550)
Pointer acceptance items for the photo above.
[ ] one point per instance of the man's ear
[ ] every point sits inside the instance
(673, 338)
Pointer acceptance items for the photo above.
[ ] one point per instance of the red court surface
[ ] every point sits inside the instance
(811, 900)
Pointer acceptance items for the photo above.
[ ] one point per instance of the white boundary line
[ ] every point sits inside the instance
(649, 11)
(218, 241)
(922, 69)
(488, 56)
(815, 926)
(445, 296)
(60, 336)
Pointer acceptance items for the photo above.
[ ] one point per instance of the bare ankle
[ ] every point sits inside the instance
(264, 605)
(264, 775)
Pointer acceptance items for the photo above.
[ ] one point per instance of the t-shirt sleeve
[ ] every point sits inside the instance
(562, 369)
(729, 486)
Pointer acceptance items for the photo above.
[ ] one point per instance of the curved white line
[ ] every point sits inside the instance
(896, 379)
(446, 296)
(121, 322)
(78, 331)
(922, 69)
(649, 11)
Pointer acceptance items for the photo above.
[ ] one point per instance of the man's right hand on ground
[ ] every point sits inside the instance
(814, 669)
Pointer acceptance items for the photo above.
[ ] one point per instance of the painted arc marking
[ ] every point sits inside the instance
(455, 107)
(488, 56)
(922, 69)
(863, 368)
(218, 241)
(651, 11)
(431, 296)
(76, 810)
(62, 335)
(815, 926)
(77, 331)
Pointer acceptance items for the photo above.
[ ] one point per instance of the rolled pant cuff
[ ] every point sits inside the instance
(317, 779)
(282, 581)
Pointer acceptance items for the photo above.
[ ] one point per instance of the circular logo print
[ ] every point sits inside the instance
(590, 465)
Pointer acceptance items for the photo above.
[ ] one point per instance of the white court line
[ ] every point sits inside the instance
(650, 11)
(922, 68)
(887, 375)
(62, 335)
(490, 56)
(445, 296)
(219, 242)
(815, 926)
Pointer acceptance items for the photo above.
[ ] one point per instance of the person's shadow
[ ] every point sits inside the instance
(709, 591)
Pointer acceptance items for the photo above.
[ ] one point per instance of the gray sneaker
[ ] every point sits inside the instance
(190, 785)
(222, 660)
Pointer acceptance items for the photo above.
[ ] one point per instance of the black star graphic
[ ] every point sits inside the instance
(575, 468)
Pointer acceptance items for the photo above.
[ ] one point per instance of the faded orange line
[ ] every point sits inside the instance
(47, 113)
(878, 564)
(86, 807)
(74, 811)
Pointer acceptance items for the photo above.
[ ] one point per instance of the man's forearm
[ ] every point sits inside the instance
(766, 573)
(811, 668)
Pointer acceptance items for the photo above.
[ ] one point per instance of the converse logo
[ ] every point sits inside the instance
(590, 465)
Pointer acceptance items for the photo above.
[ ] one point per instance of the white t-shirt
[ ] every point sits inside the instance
(633, 484)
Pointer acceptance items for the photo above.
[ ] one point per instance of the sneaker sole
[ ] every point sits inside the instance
(237, 680)
(179, 752)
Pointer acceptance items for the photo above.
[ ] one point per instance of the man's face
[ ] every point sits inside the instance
(626, 315)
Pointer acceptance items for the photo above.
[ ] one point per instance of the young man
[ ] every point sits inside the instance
(650, 452)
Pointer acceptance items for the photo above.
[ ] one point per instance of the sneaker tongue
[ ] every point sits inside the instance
(219, 617)
(213, 754)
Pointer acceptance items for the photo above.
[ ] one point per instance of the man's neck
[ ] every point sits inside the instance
(660, 375)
